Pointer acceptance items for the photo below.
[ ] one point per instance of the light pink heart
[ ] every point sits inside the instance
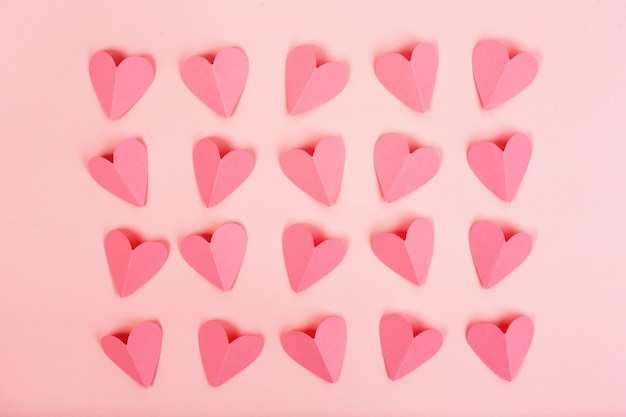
(322, 354)
(119, 87)
(319, 175)
(309, 86)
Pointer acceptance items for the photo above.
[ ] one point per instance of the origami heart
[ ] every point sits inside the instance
(502, 352)
(323, 353)
(309, 86)
(223, 359)
(217, 84)
(500, 170)
(412, 82)
(127, 175)
(318, 175)
(403, 350)
(219, 259)
(497, 77)
(119, 87)
(132, 267)
(399, 170)
(307, 262)
(409, 257)
(139, 355)
(218, 175)
(494, 257)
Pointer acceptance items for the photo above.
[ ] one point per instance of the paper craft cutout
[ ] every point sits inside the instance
(500, 170)
(319, 175)
(218, 84)
(219, 175)
(127, 175)
(222, 358)
(403, 349)
(502, 352)
(323, 353)
(497, 77)
(308, 85)
(219, 258)
(119, 87)
(399, 170)
(411, 81)
(494, 257)
(409, 257)
(137, 354)
(307, 262)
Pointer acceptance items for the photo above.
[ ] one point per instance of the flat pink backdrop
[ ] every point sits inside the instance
(56, 295)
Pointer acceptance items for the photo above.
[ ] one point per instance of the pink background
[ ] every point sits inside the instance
(56, 295)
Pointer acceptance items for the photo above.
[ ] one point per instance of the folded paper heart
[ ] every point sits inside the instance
(502, 351)
(399, 170)
(218, 84)
(119, 87)
(403, 350)
(318, 175)
(219, 175)
(307, 262)
(321, 354)
(219, 258)
(222, 358)
(499, 78)
(308, 85)
(501, 170)
(411, 81)
(138, 356)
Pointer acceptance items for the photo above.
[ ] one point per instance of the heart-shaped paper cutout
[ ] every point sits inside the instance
(119, 87)
(411, 81)
(309, 86)
(500, 170)
(307, 262)
(125, 177)
(403, 350)
(223, 359)
(218, 84)
(399, 170)
(322, 354)
(502, 352)
(318, 175)
(219, 259)
(139, 355)
(497, 77)
(409, 257)
(132, 267)
(219, 175)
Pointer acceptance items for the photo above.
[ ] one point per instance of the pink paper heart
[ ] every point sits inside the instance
(399, 170)
(502, 352)
(223, 359)
(119, 87)
(219, 259)
(127, 176)
(403, 350)
(306, 262)
(494, 257)
(132, 267)
(218, 176)
(218, 84)
(309, 86)
(322, 354)
(500, 170)
(139, 355)
(318, 175)
(409, 257)
(497, 77)
(412, 82)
